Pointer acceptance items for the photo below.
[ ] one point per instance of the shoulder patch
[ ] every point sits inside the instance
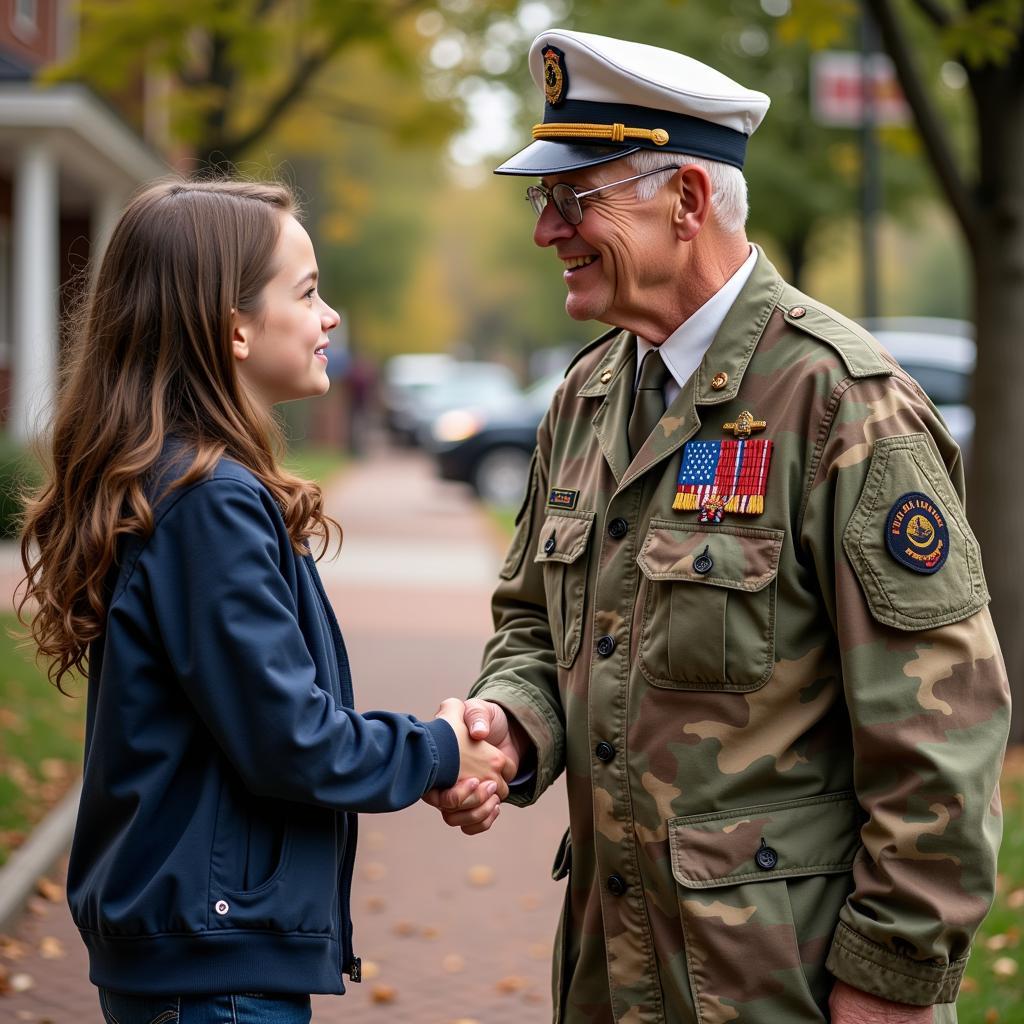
(590, 345)
(858, 350)
(907, 525)
(916, 533)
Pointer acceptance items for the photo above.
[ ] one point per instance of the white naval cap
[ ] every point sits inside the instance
(607, 98)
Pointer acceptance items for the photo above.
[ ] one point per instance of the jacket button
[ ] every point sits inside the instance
(549, 545)
(221, 906)
(604, 751)
(766, 857)
(617, 885)
(703, 563)
(605, 646)
(617, 529)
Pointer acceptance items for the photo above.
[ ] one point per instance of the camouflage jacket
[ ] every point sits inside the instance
(782, 767)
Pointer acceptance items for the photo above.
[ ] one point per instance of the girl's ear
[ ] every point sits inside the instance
(239, 336)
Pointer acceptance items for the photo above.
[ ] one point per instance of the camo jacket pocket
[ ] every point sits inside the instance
(760, 889)
(708, 605)
(561, 552)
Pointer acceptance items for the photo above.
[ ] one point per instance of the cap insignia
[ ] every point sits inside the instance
(556, 76)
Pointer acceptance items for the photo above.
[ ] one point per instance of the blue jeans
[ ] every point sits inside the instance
(245, 1008)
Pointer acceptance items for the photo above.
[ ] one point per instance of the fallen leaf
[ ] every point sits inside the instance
(37, 907)
(480, 875)
(1004, 967)
(376, 904)
(11, 721)
(54, 769)
(371, 970)
(430, 933)
(1015, 900)
(51, 948)
(22, 982)
(991, 1015)
(512, 983)
(969, 985)
(1000, 941)
(453, 963)
(404, 928)
(49, 890)
(383, 994)
(374, 871)
(375, 840)
(465, 1020)
(11, 948)
(25, 1015)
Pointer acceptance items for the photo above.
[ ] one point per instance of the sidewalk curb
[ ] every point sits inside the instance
(49, 839)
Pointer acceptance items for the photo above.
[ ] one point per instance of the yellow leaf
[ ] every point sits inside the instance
(480, 875)
(1004, 967)
(383, 994)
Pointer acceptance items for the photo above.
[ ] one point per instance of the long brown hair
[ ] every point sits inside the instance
(150, 355)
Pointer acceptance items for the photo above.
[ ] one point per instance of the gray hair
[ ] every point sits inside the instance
(729, 187)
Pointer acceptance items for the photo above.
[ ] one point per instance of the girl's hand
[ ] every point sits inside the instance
(473, 803)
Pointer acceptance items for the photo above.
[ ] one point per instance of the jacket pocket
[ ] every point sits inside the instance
(560, 551)
(704, 584)
(760, 889)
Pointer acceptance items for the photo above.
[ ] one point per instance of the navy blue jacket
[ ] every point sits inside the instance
(224, 761)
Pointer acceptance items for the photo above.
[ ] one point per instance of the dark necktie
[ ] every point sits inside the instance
(649, 401)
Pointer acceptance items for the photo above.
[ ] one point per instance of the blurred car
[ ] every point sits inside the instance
(940, 355)
(406, 378)
(489, 446)
(465, 383)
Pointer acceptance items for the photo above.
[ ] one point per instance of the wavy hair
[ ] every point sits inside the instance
(150, 355)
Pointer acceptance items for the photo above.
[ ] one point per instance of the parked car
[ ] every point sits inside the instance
(940, 355)
(486, 384)
(489, 446)
(406, 379)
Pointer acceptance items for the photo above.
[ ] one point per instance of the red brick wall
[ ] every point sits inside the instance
(27, 48)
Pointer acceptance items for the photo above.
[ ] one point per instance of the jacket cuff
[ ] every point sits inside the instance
(545, 734)
(448, 758)
(871, 967)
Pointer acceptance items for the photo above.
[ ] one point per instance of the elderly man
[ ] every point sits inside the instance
(743, 609)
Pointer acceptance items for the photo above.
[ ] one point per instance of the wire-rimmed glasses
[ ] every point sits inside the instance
(567, 199)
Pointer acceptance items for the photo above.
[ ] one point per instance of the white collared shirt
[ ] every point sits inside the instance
(684, 348)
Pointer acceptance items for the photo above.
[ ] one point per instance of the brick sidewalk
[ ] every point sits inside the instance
(450, 928)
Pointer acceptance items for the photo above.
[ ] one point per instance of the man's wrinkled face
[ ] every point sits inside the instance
(621, 250)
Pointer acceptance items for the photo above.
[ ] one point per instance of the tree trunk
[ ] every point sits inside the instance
(996, 471)
(795, 248)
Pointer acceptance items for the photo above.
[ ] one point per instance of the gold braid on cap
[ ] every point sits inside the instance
(611, 132)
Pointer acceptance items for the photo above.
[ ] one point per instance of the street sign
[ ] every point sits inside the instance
(837, 90)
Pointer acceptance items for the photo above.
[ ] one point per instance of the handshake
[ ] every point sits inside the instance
(492, 748)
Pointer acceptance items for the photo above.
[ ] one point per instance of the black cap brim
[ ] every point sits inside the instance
(542, 157)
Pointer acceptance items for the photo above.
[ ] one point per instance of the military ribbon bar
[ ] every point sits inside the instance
(723, 476)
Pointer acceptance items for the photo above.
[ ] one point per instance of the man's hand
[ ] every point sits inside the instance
(471, 805)
(850, 1005)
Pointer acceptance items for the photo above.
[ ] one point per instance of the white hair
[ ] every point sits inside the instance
(728, 186)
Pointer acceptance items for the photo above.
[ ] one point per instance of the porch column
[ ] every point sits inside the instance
(34, 247)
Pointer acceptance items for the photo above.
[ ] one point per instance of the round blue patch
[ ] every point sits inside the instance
(916, 533)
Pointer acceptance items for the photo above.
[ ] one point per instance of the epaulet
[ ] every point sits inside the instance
(858, 350)
(591, 345)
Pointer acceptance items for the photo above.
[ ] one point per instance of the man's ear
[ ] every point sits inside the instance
(693, 193)
(240, 332)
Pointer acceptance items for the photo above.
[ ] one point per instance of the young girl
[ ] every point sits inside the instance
(168, 557)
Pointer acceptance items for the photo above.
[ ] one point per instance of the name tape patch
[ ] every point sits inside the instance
(916, 533)
(562, 498)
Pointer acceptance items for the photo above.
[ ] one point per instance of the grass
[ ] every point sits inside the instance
(504, 518)
(993, 990)
(41, 734)
(316, 462)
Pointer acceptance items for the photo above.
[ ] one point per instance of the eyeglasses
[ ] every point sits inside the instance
(567, 199)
